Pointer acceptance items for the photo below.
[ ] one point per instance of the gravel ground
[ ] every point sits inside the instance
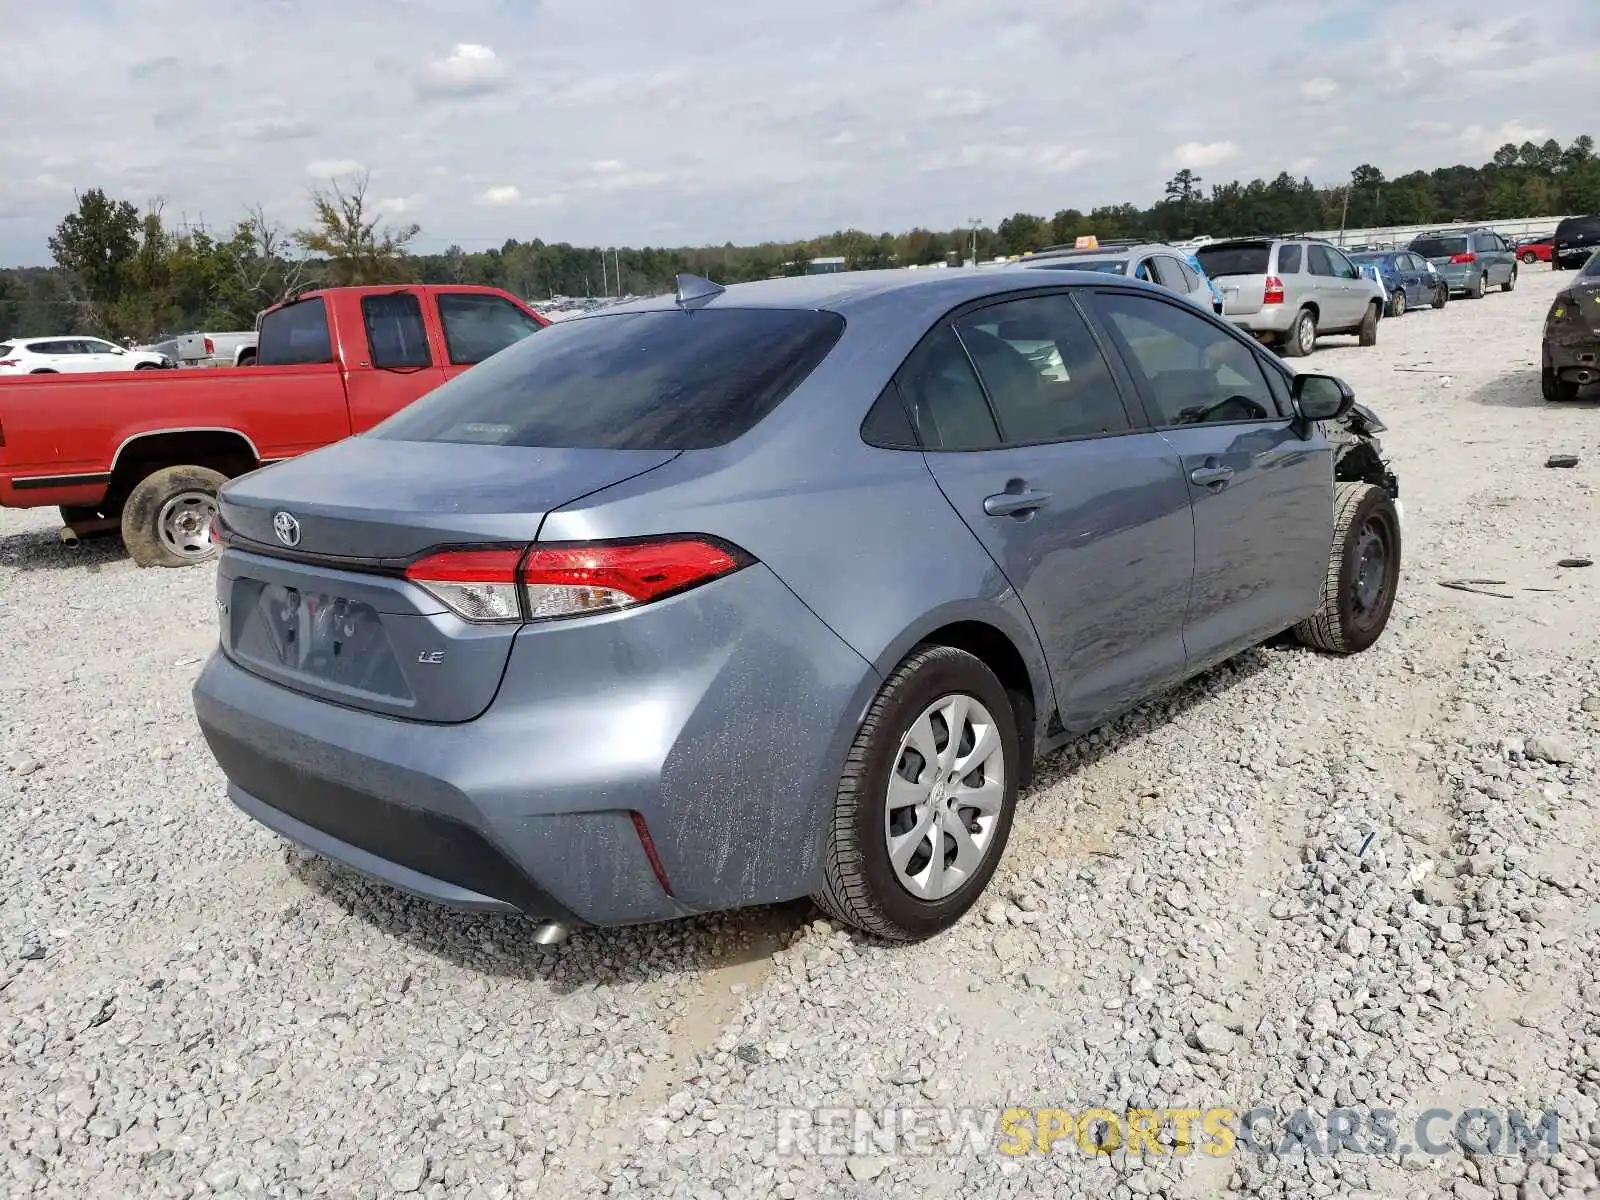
(1299, 882)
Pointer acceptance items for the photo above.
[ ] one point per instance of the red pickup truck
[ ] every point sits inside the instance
(146, 451)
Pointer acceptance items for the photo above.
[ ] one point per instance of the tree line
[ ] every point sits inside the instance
(121, 271)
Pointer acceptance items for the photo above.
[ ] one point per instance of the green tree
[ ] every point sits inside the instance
(96, 245)
(358, 247)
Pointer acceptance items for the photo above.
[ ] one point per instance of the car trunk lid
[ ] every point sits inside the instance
(1240, 271)
(311, 592)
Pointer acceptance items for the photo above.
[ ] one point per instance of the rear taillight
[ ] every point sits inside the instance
(1468, 257)
(1273, 292)
(544, 583)
(477, 585)
(211, 347)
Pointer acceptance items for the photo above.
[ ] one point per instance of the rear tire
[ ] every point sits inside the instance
(1479, 286)
(44, 371)
(1442, 296)
(862, 884)
(1363, 572)
(147, 367)
(1301, 339)
(1511, 283)
(1368, 332)
(166, 521)
(1530, 257)
(1555, 388)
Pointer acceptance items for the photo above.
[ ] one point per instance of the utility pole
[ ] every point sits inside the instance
(1344, 214)
(974, 222)
(605, 287)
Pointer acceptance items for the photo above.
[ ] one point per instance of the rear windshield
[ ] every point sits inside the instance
(1440, 247)
(1106, 266)
(1245, 258)
(664, 380)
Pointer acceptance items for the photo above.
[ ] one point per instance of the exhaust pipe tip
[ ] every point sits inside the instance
(69, 537)
(550, 933)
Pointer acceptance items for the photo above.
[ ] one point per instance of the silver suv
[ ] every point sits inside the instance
(1157, 262)
(1291, 291)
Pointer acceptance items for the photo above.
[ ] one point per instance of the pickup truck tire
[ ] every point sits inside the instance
(1363, 572)
(167, 519)
(1367, 333)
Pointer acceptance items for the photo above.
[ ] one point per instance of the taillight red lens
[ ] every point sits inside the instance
(550, 582)
(476, 585)
(1273, 291)
(211, 347)
(566, 581)
(1468, 257)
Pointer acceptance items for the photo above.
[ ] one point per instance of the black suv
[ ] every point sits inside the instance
(1575, 239)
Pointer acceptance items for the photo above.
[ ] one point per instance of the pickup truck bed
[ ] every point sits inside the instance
(145, 451)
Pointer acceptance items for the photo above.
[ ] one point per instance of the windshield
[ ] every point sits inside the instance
(1246, 258)
(1440, 247)
(658, 380)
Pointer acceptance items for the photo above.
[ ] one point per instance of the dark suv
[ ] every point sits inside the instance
(1575, 239)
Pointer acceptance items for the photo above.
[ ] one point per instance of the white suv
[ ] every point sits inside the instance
(73, 355)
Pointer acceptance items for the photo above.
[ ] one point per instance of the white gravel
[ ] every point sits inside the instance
(1299, 882)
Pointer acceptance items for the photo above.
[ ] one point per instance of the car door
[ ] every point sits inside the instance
(400, 365)
(1083, 508)
(1358, 294)
(1414, 279)
(1263, 521)
(103, 356)
(1332, 297)
(72, 357)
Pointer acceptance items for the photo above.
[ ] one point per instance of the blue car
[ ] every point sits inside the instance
(1410, 280)
(1216, 293)
(752, 593)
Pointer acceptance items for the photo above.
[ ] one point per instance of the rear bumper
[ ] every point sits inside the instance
(1573, 354)
(1460, 275)
(721, 717)
(1269, 318)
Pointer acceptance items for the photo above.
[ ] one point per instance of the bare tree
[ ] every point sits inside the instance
(359, 247)
(268, 262)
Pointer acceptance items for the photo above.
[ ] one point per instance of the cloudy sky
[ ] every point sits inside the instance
(689, 121)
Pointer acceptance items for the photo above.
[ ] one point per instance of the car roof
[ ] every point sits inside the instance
(847, 291)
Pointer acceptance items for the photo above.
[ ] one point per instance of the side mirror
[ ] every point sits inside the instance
(1320, 398)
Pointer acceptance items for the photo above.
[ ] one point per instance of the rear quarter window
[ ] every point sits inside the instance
(659, 380)
(1250, 258)
(4, 349)
(295, 335)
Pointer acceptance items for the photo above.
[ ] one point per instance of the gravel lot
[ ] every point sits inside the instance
(1300, 881)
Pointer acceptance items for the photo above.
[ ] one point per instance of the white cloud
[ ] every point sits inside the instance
(1204, 154)
(396, 206)
(719, 122)
(332, 168)
(1487, 141)
(468, 70)
(503, 194)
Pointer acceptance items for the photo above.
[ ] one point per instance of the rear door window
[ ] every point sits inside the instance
(656, 380)
(478, 326)
(1046, 378)
(395, 331)
(1320, 263)
(1289, 259)
(1169, 274)
(1239, 258)
(943, 396)
(295, 335)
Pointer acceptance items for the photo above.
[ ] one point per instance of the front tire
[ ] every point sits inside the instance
(1363, 572)
(926, 799)
(1529, 257)
(1301, 339)
(1397, 303)
(167, 519)
(1367, 334)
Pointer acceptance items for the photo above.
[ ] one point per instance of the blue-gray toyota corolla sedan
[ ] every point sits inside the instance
(741, 595)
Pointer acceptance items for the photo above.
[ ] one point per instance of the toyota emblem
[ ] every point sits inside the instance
(287, 528)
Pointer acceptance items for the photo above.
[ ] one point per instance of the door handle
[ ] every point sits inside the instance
(1014, 504)
(1212, 474)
